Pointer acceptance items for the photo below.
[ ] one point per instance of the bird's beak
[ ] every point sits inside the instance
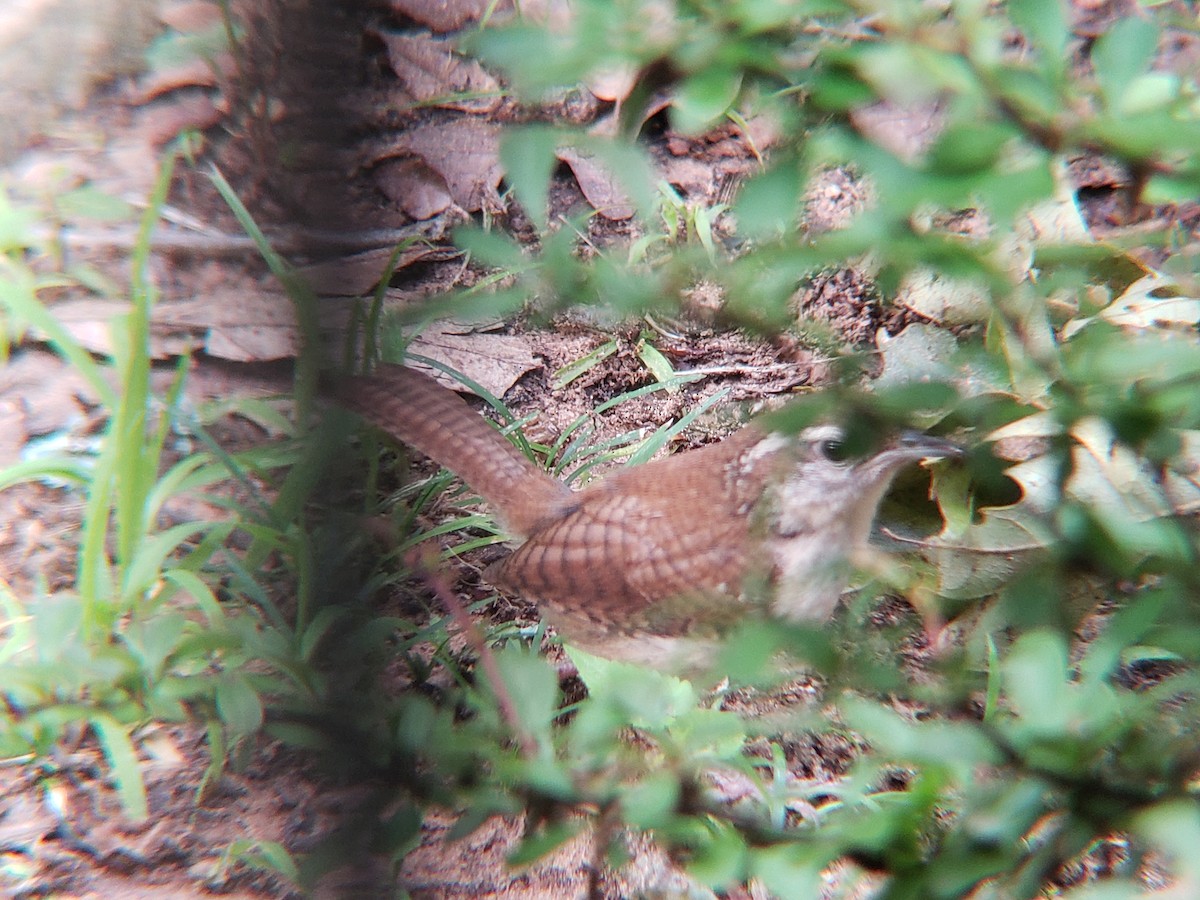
(913, 445)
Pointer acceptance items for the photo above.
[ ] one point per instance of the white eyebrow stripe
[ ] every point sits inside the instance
(823, 433)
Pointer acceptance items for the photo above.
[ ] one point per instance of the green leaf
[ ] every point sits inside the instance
(908, 399)
(18, 226)
(769, 203)
(1123, 53)
(1171, 189)
(528, 158)
(838, 90)
(276, 858)
(151, 554)
(16, 635)
(1036, 681)
(789, 871)
(659, 365)
(322, 622)
(969, 147)
(153, 640)
(172, 49)
(631, 167)
(57, 622)
(536, 58)
(1044, 23)
(491, 248)
(667, 432)
(721, 860)
(1148, 93)
(1029, 91)
(122, 758)
(401, 831)
(239, 706)
(639, 696)
(532, 684)
(704, 97)
(955, 746)
(711, 732)
(1173, 829)
(174, 481)
(540, 843)
(199, 591)
(89, 202)
(896, 72)
(19, 297)
(51, 470)
(568, 373)
(418, 721)
(651, 802)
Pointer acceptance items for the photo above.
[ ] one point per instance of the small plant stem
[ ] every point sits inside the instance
(426, 565)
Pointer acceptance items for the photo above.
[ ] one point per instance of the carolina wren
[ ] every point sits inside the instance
(641, 564)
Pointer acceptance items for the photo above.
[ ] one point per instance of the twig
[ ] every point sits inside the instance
(765, 369)
(217, 243)
(423, 565)
(606, 826)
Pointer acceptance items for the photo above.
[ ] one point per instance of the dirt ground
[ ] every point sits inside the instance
(327, 124)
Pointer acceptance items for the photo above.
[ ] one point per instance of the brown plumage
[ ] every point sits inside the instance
(674, 548)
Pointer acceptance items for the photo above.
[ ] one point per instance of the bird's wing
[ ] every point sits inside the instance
(621, 556)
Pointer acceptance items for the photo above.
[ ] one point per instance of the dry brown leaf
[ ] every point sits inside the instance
(236, 323)
(240, 327)
(413, 186)
(191, 15)
(13, 433)
(465, 152)
(196, 72)
(433, 74)
(353, 276)
(253, 343)
(87, 321)
(613, 84)
(1155, 301)
(26, 822)
(494, 361)
(162, 122)
(446, 15)
(39, 395)
(600, 188)
(233, 320)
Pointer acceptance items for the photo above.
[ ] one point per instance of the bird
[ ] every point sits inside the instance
(653, 562)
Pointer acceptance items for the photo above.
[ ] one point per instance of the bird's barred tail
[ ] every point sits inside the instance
(418, 411)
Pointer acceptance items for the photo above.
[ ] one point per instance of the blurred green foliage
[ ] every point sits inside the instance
(1025, 748)
(1059, 721)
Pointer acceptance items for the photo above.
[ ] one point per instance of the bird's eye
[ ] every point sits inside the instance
(833, 450)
